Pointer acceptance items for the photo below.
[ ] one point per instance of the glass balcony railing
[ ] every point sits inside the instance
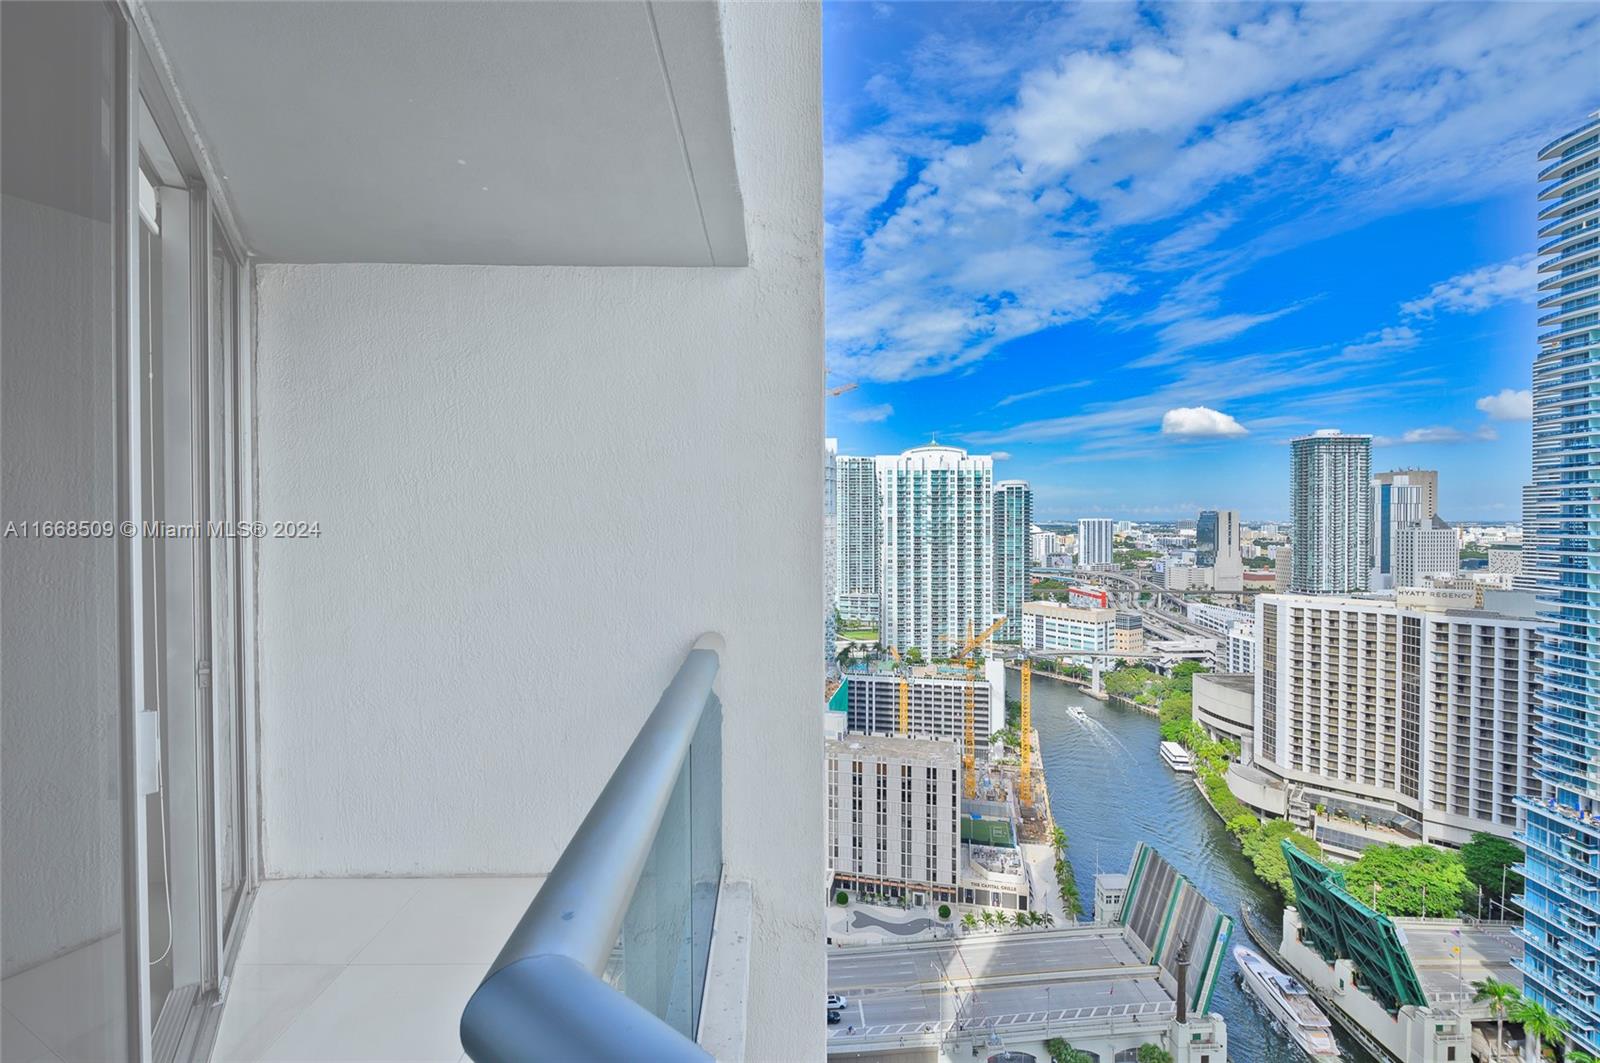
(610, 959)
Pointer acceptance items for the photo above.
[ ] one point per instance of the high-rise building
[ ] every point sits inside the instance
(936, 700)
(1094, 542)
(894, 822)
(1414, 711)
(856, 531)
(830, 561)
(1423, 552)
(1013, 517)
(1053, 626)
(936, 562)
(1561, 929)
(1426, 480)
(1217, 548)
(1328, 493)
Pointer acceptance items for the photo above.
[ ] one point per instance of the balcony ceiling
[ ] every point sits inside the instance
(591, 134)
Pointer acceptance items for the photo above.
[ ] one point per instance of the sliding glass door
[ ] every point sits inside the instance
(128, 824)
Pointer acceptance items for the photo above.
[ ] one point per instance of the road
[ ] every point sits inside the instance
(922, 990)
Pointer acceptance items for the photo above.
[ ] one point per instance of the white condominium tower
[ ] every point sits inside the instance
(855, 537)
(1094, 542)
(1561, 931)
(1013, 518)
(1409, 710)
(936, 570)
(1328, 493)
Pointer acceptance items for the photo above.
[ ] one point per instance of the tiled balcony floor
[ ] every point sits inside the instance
(365, 969)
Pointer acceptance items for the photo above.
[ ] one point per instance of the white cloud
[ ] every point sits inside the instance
(871, 414)
(1436, 434)
(1468, 293)
(1023, 396)
(1384, 341)
(1200, 422)
(1022, 213)
(1508, 405)
(1001, 455)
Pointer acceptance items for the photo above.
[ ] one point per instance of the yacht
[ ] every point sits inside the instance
(1177, 757)
(1290, 1004)
(1077, 714)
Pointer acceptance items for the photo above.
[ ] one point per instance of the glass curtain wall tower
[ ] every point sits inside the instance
(1013, 517)
(1561, 928)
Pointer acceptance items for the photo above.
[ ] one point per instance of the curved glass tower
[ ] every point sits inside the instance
(1561, 928)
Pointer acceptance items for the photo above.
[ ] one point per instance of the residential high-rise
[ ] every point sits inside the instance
(1013, 517)
(936, 562)
(1094, 542)
(1328, 501)
(1427, 480)
(1412, 711)
(1409, 542)
(856, 531)
(830, 561)
(1561, 929)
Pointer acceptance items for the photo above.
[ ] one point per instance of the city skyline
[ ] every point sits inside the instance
(1127, 303)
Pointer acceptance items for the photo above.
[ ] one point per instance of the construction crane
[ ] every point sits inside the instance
(969, 756)
(1025, 724)
(905, 693)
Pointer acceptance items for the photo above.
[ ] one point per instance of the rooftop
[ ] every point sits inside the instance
(936, 752)
(1245, 682)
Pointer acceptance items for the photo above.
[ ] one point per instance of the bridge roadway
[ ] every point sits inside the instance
(917, 994)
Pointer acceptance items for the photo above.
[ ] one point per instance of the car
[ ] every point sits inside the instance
(833, 1017)
(836, 1002)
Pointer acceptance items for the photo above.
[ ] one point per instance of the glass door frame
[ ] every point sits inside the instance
(145, 94)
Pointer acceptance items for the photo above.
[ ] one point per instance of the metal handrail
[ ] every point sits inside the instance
(543, 997)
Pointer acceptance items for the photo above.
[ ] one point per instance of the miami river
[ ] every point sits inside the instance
(1108, 790)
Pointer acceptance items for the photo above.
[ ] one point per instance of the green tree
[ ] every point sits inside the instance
(1063, 1052)
(843, 656)
(1487, 860)
(1149, 1053)
(944, 911)
(1412, 880)
(841, 898)
(1538, 1023)
(913, 656)
(969, 920)
(1500, 996)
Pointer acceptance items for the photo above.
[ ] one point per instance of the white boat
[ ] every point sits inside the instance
(1077, 714)
(1177, 757)
(1290, 1004)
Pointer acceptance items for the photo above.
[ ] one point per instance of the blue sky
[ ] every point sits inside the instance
(1132, 250)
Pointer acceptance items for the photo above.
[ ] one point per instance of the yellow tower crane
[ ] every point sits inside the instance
(1025, 726)
(969, 756)
(905, 693)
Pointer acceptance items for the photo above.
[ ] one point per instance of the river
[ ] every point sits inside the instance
(1108, 790)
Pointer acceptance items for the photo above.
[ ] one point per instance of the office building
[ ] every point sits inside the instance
(1217, 618)
(1282, 568)
(936, 568)
(1412, 712)
(1217, 547)
(936, 700)
(1180, 577)
(1240, 648)
(1423, 552)
(1054, 626)
(1561, 932)
(1425, 480)
(1328, 498)
(856, 531)
(1396, 503)
(1128, 635)
(894, 820)
(1013, 516)
(1094, 542)
(1043, 545)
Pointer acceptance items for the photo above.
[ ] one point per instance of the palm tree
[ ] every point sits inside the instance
(1582, 1057)
(1538, 1024)
(969, 920)
(843, 656)
(1500, 997)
